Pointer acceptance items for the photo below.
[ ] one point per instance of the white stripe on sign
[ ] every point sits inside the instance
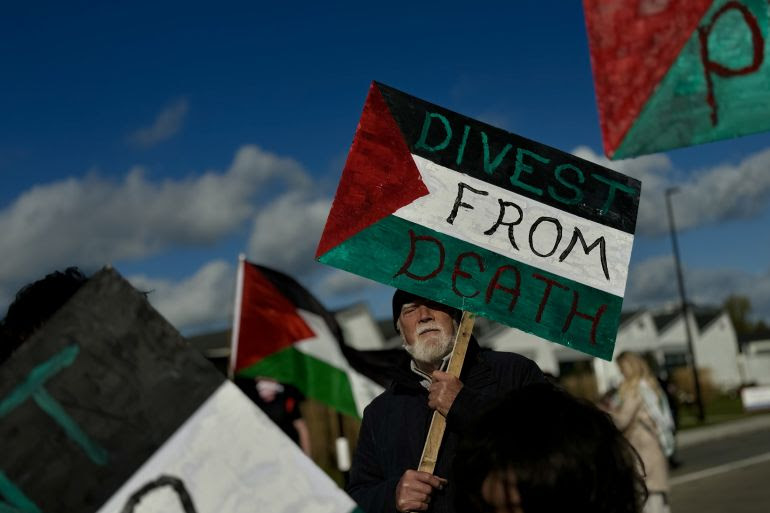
(229, 456)
(719, 469)
(520, 228)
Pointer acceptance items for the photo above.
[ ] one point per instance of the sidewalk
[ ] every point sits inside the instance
(700, 435)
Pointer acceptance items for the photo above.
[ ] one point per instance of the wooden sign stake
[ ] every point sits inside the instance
(438, 423)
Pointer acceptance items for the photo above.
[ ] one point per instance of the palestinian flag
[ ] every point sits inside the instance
(671, 74)
(483, 220)
(106, 409)
(282, 332)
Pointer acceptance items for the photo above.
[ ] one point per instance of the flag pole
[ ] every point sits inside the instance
(236, 316)
(438, 422)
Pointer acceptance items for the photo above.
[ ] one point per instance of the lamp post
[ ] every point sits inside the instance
(680, 280)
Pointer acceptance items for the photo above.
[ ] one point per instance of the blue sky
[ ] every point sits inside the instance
(166, 138)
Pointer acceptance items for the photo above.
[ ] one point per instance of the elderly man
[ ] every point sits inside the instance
(395, 425)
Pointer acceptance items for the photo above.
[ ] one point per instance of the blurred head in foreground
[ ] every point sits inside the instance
(541, 450)
(34, 304)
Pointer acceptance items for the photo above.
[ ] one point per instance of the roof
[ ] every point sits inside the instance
(704, 318)
(212, 345)
(628, 315)
(663, 320)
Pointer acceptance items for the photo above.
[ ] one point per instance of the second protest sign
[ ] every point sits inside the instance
(484, 220)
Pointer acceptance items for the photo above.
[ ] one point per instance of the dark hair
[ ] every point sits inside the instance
(565, 454)
(34, 304)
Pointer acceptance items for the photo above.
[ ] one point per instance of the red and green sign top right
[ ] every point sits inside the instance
(673, 73)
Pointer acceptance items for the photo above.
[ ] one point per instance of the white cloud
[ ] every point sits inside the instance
(93, 221)
(167, 124)
(708, 196)
(654, 283)
(342, 282)
(286, 232)
(202, 299)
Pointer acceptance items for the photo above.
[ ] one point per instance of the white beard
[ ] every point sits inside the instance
(430, 349)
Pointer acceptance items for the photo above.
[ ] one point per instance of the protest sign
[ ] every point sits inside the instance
(106, 408)
(671, 74)
(483, 220)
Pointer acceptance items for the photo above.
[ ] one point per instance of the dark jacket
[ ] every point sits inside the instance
(395, 426)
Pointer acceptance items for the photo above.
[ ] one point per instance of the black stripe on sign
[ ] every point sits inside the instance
(515, 163)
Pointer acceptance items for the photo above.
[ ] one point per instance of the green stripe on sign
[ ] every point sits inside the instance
(434, 265)
(315, 378)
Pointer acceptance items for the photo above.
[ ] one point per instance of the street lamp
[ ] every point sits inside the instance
(698, 398)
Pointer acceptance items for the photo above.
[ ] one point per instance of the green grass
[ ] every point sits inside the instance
(722, 408)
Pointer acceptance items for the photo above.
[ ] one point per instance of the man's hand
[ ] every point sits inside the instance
(414, 490)
(443, 391)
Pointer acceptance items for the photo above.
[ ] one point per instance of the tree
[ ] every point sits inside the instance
(738, 308)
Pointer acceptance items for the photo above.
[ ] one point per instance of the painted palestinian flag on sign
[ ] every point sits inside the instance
(282, 332)
(484, 220)
(678, 73)
(106, 409)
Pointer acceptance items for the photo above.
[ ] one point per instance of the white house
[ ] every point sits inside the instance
(716, 348)
(661, 335)
(360, 329)
(756, 361)
(503, 338)
(715, 344)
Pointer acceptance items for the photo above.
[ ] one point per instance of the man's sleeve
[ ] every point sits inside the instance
(528, 374)
(368, 485)
(465, 406)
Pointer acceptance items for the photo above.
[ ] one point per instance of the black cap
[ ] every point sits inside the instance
(402, 297)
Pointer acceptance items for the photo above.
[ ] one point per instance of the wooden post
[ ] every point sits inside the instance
(438, 423)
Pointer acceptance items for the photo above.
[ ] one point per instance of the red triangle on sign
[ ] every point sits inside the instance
(268, 322)
(379, 177)
(633, 45)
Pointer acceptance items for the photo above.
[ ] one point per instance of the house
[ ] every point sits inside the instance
(755, 359)
(503, 338)
(715, 344)
(716, 348)
(361, 330)
(660, 335)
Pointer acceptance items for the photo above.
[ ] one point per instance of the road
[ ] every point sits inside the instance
(727, 475)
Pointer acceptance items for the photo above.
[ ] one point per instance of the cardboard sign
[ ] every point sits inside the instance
(675, 73)
(484, 220)
(106, 408)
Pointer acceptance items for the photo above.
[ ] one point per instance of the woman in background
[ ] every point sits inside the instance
(641, 412)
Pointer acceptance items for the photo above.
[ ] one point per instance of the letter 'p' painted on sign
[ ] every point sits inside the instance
(687, 73)
(712, 67)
